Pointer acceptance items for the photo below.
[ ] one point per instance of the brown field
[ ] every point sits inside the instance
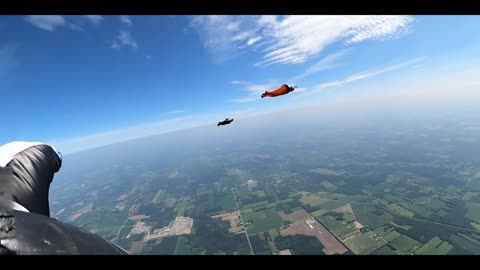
(80, 212)
(233, 218)
(138, 217)
(312, 200)
(326, 172)
(295, 216)
(87, 208)
(344, 209)
(74, 216)
(122, 197)
(331, 244)
(237, 229)
(358, 225)
(285, 252)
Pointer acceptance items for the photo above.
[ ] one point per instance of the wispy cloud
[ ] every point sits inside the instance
(328, 62)
(95, 19)
(7, 59)
(125, 39)
(364, 75)
(292, 39)
(46, 22)
(175, 112)
(126, 20)
(52, 22)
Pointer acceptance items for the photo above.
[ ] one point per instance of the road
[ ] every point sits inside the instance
(126, 220)
(243, 223)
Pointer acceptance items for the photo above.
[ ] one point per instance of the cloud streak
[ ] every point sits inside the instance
(52, 22)
(7, 60)
(175, 112)
(292, 39)
(46, 22)
(364, 75)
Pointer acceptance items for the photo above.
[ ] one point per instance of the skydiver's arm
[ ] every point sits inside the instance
(26, 171)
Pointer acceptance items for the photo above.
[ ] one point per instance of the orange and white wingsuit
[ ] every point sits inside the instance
(282, 90)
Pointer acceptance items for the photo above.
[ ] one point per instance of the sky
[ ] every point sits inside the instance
(80, 82)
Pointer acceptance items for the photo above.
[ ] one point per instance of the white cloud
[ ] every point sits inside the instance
(254, 40)
(46, 22)
(364, 75)
(293, 39)
(233, 26)
(95, 19)
(148, 57)
(124, 39)
(126, 20)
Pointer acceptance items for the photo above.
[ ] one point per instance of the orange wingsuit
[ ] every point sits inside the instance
(282, 90)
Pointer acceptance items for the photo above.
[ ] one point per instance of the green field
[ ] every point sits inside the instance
(381, 231)
(136, 247)
(400, 210)
(475, 225)
(473, 212)
(330, 205)
(183, 248)
(441, 213)
(252, 205)
(405, 244)
(370, 215)
(273, 234)
(469, 195)
(319, 212)
(158, 196)
(364, 244)
(348, 217)
(328, 185)
(259, 193)
(435, 247)
(435, 204)
(465, 244)
(180, 208)
(335, 226)
(391, 236)
(385, 250)
(262, 221)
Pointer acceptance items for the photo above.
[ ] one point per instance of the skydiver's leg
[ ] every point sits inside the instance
(27, 176)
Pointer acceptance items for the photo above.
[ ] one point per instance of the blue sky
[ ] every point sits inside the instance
(85, 81)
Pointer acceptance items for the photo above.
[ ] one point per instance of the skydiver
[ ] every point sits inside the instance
(282, 90)
(225, 122)
(26, 228)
